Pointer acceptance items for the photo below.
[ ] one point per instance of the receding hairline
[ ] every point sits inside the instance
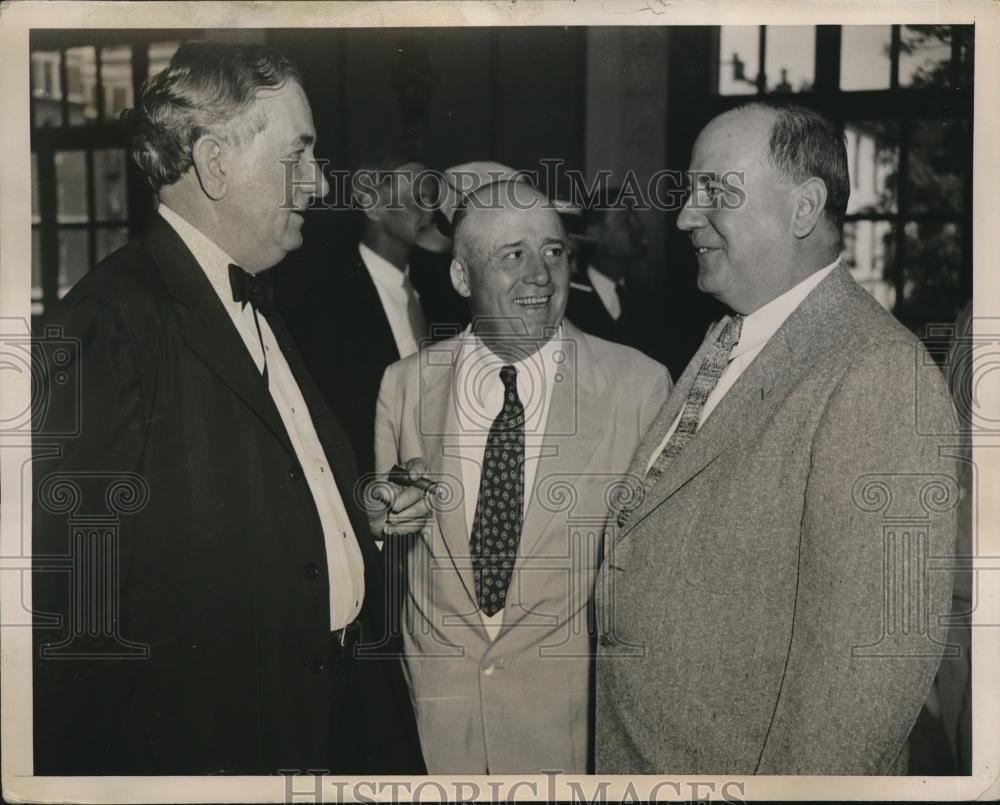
(464, 239)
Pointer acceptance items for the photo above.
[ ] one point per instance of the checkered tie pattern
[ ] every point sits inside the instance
(496, 528)
(705, 381)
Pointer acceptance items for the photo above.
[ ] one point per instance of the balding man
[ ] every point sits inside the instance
(527, 424)
(788, 495)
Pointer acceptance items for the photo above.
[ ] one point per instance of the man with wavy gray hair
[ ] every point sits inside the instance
(241, 580)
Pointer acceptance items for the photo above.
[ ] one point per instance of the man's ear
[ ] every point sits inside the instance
(460, 279)
(810, 201)
(209, 156)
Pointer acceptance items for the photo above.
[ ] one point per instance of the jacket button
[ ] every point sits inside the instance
(295, 472)
(489, 669)
(310, 570)
(316, 665)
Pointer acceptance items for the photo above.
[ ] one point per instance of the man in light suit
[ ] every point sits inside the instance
(528, 425)
(210, 619)
(759, 609)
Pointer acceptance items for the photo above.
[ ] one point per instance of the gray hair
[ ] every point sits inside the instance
(803, 144)
(208, 87)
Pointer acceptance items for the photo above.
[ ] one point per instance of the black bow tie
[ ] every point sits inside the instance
(252, 288)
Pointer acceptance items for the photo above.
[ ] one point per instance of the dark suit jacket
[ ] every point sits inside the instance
(220, 574)
(632, 328)
(345, 340)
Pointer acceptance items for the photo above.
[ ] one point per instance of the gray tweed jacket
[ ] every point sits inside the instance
(772, 606)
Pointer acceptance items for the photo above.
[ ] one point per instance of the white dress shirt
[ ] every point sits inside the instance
(394, 292)
(757, 330)
(345, 565)
(607, 291)
(478, 396)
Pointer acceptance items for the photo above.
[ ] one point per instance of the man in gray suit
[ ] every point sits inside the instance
(528, 424)
(765, 601)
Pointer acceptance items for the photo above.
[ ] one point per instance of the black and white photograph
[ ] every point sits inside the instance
(451, 401)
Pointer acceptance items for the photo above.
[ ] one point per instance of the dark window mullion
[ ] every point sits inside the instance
(902, 206)
(761, 56)
(826, 67)
(91, 211)
(955, 68)
(136, 188)
(63, 87)
(99, 88)
(894, 57)
(48, 231)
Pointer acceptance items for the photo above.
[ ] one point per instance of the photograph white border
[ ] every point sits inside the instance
(17, 18)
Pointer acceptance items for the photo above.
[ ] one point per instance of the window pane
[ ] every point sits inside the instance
(109, 185)
(36, 264)
(108, 240)
(938, 152)
(924, 55)
(81, 89)
(71, 186)
(36, 214)
(46, 88)
(739, 59)
(116, 76)
(73, 259)
(790, 57)
(868, 250)
(873, 164)
(864, 56)
(932, 287)
(159, 56)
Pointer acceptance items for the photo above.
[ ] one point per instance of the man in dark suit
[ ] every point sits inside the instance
(602, 299)
(788, 495)
(223, 581)
(365, 313)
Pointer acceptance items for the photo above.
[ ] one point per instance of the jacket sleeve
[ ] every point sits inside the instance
(880, 509)
(387, 426)
(88, 436)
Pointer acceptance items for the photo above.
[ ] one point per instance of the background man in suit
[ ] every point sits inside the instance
(536, 422)
(611, 242)
(805, 424)
(244, 575)
(365, 314)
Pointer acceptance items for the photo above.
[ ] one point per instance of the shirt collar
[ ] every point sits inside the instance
(604, 286)
(212, 259)
(764, 322)
(382, 271)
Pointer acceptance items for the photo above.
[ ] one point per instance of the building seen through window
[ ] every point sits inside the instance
(902, 95)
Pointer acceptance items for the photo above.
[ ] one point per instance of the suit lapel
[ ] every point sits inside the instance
(796, 345)
(206, 327)
(361, 300)
(572, 431)
(437, 425)
(671, 408)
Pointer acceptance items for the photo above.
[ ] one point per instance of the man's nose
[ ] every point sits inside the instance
(690, 218)
(538, 272)
(320, 187)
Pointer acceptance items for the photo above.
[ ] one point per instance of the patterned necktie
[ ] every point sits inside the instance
(496, 528)
(711, 369)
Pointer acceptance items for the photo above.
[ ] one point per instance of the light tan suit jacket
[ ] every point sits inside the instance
(519, 703)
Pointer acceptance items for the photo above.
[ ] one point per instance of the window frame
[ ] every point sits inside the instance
(905, 105)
